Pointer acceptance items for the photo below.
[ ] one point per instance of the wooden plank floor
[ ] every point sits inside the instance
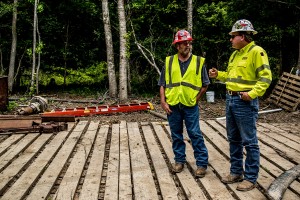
(131, 160)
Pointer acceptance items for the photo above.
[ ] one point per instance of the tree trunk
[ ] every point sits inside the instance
(110, 51)
(34, 47)
(65, 54)
(39, 56)
(298, 65)
(128, 78)
(13, 52)
(190, 16)
(123, 59)
(1, 61)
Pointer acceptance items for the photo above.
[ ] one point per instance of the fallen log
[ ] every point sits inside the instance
(282, 182)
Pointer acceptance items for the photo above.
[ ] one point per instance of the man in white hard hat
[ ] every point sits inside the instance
(247, 77)
(183, 81)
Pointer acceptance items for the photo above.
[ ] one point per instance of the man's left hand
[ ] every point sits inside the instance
(245, 96)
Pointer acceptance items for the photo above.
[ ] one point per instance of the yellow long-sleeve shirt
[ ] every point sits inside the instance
(248, 70)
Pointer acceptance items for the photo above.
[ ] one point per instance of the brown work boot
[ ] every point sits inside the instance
(245, 186)
(232, 178)
(177, 167)
(200, 172)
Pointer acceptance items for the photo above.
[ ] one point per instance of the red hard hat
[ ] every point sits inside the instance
(182, 35)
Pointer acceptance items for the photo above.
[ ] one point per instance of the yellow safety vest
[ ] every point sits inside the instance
(248, 70)
(183, 89)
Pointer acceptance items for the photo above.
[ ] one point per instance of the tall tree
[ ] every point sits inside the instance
(190, 16)
(39, 54)
(123, 90)
(13, 51)
(110, 50)
(33, 71)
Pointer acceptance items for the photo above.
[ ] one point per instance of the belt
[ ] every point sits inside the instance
(234, 93)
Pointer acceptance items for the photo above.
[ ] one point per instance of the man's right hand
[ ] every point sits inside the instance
(166, 107)
(213, 73)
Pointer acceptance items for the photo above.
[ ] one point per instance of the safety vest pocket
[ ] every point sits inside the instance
(242, 63)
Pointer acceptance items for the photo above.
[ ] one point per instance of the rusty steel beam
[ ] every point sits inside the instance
(20, 121)
(52, 127)
(16, 121)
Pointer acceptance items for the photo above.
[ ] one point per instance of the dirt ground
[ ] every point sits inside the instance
(208, 110)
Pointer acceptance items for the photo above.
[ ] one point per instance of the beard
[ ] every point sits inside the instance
(185, 52)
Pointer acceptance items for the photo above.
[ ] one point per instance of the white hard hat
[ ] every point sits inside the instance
(243, 25)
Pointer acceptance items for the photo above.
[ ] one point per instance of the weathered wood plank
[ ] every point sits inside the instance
(278, 137)
(291, 153)
(28, 178)
(143, 182)
(91, 184)
(21, 162)
(212, 184)
(16, 149)
(166, 182)
(68, 185)
(291, 90)
(265, 150)
(46, 182)
(288, 152)
(112, 179)
(281, 132)
(8, 142)
(223, 146)
(264, 178)
(292, 128)
(187, 181)
(125, 182)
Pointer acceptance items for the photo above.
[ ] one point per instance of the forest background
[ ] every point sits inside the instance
(76, 45)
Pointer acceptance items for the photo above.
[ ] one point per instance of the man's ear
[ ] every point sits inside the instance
(243, 37)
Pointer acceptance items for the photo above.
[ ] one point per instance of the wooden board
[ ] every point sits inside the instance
(189, 184)
(71, 178)
(99, 160)
(92, 179)
(112, 180)
(286, 93)
(167, 185)
(125, 182)
(143, 183)
(44, 185)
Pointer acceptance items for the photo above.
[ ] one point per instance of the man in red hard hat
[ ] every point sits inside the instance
(183, 81)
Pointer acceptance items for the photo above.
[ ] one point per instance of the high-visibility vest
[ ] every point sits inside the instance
(183, 89)
(248, 70)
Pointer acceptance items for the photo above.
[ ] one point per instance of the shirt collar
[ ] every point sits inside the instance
(247, 47)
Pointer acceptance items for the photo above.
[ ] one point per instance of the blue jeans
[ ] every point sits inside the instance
(241, 117)
(190, 115)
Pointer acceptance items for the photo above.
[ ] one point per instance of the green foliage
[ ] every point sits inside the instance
(94, 74)
(12, 105)
(72, 32)
(5, 8)
(39, 47)
(211, 28)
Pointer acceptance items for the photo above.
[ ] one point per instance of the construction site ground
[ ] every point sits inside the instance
(129, 156)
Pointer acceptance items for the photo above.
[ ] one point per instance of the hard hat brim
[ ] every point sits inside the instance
(176, 41)
(253, 32)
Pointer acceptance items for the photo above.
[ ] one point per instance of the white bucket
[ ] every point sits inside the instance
(210, 96)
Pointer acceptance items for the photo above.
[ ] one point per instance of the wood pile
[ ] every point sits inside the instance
(286, 93)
